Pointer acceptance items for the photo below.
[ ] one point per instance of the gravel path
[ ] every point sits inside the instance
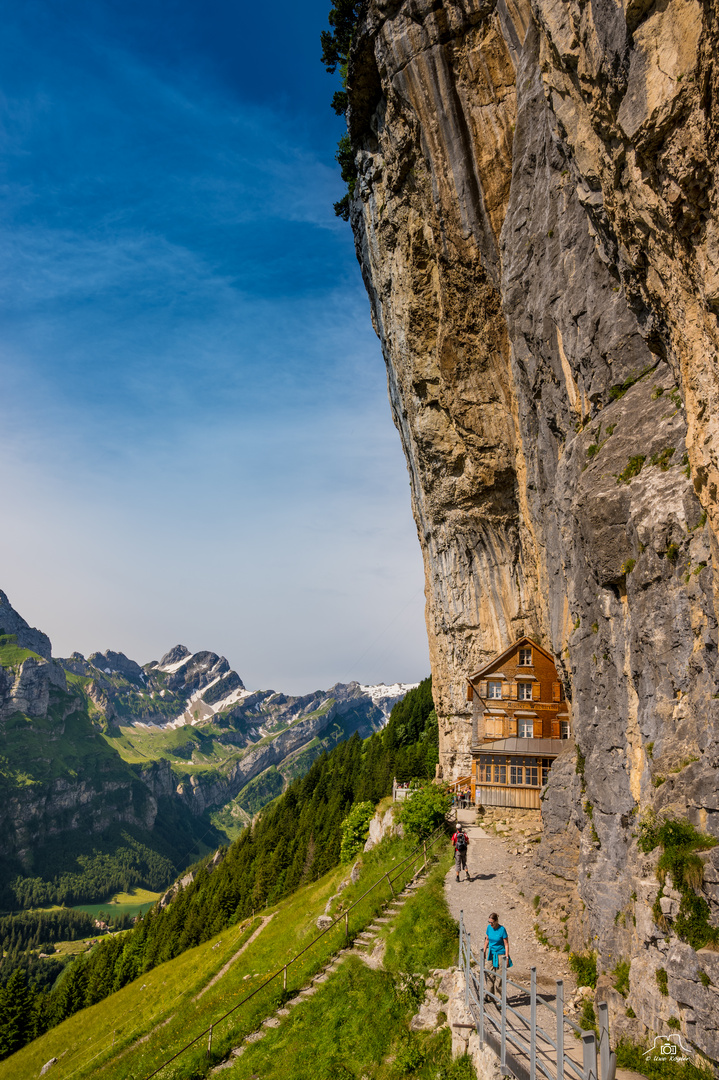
(494, 873)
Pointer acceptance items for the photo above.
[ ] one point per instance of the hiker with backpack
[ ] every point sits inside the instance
(460, 841)
(496, 944)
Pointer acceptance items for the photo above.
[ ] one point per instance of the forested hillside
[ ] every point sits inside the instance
(295, 840)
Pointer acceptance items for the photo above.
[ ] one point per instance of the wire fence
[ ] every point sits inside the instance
(524, 1047)
(420, 853)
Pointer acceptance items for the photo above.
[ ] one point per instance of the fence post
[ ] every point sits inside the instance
(461, 938)
(284, 978)
(589, 1056)
(468, 968)
(533, 1024)
(607, 1066)
(481, 998)
(503, 1053)
(559, 1002)
(209, 1042)
(424, 845)
(390, 884)
(347, 927)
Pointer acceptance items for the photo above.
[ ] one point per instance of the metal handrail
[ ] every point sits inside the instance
(416, 853)
(475, 994)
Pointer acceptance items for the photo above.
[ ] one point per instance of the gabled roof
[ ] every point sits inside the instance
(501, 657)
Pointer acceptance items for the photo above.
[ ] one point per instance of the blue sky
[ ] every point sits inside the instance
(196, 441)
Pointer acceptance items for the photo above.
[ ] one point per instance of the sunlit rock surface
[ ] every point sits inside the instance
(535, 218)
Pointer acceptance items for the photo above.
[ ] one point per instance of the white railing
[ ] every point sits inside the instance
(523, 1047)
(455, 786)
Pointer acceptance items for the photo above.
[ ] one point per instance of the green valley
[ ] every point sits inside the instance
(144, 1024)
(295, 842)
(116, 776)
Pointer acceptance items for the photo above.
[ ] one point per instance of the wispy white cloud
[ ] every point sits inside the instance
(194, 428)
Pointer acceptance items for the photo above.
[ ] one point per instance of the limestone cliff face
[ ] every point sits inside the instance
(535, 217)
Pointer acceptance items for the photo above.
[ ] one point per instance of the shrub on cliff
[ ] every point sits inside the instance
(584, 966)
(680, 841)
(354, 830)
(424, 810)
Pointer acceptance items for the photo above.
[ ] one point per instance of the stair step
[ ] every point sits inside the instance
(382, 920)
(283, 1012)
(271, 1022)
(308, 991)
(320, 979)
(255, 1036)
(296, 1000)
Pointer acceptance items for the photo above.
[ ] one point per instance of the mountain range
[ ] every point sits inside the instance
(115, 773)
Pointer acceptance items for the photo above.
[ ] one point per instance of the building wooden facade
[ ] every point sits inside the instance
(520, 722)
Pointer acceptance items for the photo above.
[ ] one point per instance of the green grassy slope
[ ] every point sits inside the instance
(102, 1041)
(12, 654)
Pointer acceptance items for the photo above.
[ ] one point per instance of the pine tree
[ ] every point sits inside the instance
(16, 1013)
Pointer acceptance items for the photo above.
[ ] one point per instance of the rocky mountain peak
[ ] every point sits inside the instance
(112, 662)
(174, 656)
(26, 636)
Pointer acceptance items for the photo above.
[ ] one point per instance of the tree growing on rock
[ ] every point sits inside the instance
(355, 828)
(424, 810)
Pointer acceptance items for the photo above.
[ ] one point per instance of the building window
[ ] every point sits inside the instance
(545, 772)
(494, 690)
(500, 774)
(525, 729)
(531, 776)
(524, 691)
(564, 729)
(525, 657)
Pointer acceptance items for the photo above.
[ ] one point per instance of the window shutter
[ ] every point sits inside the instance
(538, 728)
(555, 728)
(513, 691)
(483, 688)
(512, 728)
(536, 691)
(506, 690)
(556, 692)
(470, 692)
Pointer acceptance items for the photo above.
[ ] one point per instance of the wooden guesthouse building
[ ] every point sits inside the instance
(519, 719)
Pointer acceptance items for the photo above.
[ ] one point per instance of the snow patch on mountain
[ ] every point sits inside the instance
(384, 697)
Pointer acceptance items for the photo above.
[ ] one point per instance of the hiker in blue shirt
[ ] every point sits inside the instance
(496, 943)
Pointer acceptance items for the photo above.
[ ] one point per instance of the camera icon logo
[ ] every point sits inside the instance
(668, 1046)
